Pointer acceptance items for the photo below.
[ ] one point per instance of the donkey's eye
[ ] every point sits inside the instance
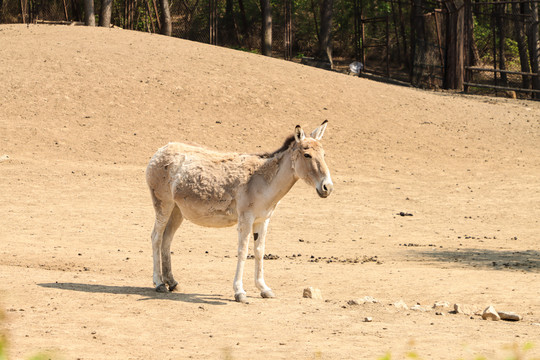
(307, 156)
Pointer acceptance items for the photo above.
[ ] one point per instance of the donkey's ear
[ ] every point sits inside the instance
(318, 133)
(299, 134)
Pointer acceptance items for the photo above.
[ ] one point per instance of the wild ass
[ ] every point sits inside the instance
(222, 189)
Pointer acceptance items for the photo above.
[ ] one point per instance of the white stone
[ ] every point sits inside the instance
(370, 299)
(417, 307)
(509, 316)
(441, 305)
(368, 319)
(364, 300)
(463, 309)
(401, 305)
(312, 293)
(490, 314)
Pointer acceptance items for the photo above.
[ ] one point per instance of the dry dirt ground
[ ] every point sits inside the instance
(83, 109)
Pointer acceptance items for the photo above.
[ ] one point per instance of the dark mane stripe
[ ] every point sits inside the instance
(284, 147)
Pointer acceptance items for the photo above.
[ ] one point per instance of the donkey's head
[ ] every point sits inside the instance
(308, 160)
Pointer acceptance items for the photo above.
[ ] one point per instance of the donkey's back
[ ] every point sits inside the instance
(204, 184)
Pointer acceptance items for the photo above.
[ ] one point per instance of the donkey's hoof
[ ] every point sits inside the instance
(267, 294)
(241, 298)
(161, 288)
(173, 285)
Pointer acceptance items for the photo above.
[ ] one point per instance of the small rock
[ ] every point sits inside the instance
(417, 307)
(401, 305)
(463, 309)
(4, 158)
(401, 213)
(312, 293)
(439, 313)
(368, 319)
(441, 305)
(365, 299)
(509, 316)
(490, 314)
(370, 299)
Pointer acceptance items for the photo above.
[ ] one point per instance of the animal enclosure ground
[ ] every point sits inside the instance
(81, 112)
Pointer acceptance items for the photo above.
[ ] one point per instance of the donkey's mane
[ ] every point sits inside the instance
(286, 145)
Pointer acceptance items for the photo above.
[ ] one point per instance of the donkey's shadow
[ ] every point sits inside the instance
(146, 293)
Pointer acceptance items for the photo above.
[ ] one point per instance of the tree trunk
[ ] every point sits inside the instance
(315, 20)
(106, 11)
(229, 33)
(471, 50)
(418, 51)
(394, 18)
(166, 25)
(89, 17)
(266, 29)
(245, 25)
(522, 44)
(406, 58)
(325, 39)
(534, 47)
(77, 10)
(502, 36)
(455, 55)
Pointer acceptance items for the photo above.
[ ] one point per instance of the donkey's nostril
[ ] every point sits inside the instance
(324, 188)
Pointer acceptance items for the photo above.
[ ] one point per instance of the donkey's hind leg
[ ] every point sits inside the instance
(175, 220)
(163, 213)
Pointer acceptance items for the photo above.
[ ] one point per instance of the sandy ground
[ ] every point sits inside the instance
(81, 112)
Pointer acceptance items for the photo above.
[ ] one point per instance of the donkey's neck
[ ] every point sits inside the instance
(282, 180)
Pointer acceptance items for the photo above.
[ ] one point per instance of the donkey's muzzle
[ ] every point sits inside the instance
(325, 190)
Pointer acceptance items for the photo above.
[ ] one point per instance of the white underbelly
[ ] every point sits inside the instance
(215, 218)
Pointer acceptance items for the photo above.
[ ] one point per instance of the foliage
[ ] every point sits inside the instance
(4, 345)
(517, 352)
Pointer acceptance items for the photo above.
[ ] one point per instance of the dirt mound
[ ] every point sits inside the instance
(83, 109)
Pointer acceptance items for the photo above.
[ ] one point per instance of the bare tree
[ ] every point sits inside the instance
(418, 51)
(534, 48)
(89, 17)
(166, 27)
(230, 35)
(325, 38)
(106, 11)
(500, 13)
(522, 44)
(266, 30)
(245, 24)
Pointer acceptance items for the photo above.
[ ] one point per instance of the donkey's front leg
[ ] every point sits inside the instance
(245, 224)
(259, 236)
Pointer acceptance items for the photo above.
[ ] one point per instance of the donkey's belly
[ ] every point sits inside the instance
(204, 215)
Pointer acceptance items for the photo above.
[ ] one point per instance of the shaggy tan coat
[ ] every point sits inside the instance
(216, 189)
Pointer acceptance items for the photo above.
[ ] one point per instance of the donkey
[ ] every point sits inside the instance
(216, 189)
